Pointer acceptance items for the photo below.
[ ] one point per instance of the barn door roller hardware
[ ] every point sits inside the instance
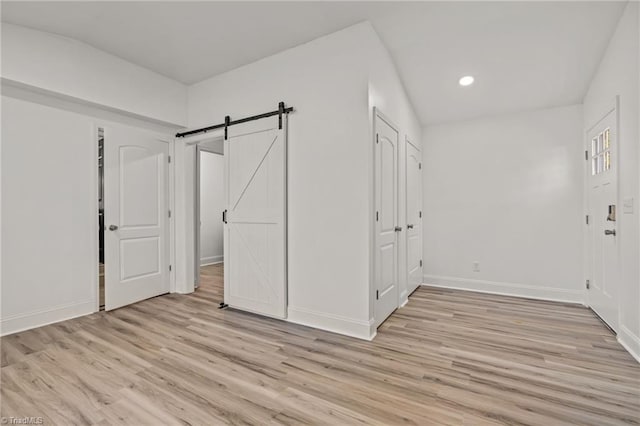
(282, 109)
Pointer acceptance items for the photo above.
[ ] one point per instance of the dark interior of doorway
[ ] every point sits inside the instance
(101, 218)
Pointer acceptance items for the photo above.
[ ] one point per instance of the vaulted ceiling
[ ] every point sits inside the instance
(524, 55)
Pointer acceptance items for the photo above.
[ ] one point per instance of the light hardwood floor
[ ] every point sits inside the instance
(448, 357)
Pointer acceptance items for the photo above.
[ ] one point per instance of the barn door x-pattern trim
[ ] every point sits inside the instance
(263, 278)
(258, 167)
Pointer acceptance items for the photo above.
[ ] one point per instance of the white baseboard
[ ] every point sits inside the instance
(506, 289)
(212, 260)
(630, 342)
(404, 298)
(22, 322)
(336, 324)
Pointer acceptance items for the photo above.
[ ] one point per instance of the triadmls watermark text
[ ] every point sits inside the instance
(10, 420)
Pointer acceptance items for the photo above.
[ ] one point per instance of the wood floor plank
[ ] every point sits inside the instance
(446, 358)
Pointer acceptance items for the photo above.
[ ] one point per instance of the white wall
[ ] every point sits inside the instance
(618, 75)
(49, 215)
(325, 81)
(71, 68)
(330, 84)
(507, 192)
(211, 207)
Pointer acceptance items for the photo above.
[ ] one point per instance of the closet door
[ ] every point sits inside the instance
(414, 216)
(386, 220)
(136, 183)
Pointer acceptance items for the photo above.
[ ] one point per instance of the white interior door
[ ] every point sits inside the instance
(603, 241)
(386, 225)
(255, 267)
(414, 217)
(136, 183)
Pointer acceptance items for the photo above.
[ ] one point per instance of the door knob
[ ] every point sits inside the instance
(410, 226)
(398, 228)
(112, 227)
(609, 232)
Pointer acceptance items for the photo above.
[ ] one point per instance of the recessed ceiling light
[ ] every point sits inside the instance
(466, 80)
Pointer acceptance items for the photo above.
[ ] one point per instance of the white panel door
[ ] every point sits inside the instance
(414, 217)
(255, 277)
(136, 183)
(386, 225)
(603, 241)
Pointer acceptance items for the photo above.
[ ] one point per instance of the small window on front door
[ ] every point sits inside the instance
(601, 153)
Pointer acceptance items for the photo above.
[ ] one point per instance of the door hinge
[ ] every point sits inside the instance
(588, 284)
(586, 155)
(377, 138)
(419, 166)
(169, 158)
(377, 216)
(377, 294)
(420, 263)
(169, 214)
(420, 213)
(586, 219)
(169, 268)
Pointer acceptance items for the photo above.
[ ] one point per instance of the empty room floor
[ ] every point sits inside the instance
(447, 357)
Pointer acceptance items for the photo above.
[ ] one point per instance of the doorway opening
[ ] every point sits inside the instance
(101, 218)
(210, 196)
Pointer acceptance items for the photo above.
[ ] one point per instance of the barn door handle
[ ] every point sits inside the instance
(410, 226)
(224, 216)
(610, 232)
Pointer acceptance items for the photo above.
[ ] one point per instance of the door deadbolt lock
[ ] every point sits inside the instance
(610, 232)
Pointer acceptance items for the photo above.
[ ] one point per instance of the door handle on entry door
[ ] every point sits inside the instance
(398, 228)
(113, 227)
(610, 232)
(410, 226)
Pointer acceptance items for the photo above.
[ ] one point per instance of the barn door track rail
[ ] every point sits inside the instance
(282, 109)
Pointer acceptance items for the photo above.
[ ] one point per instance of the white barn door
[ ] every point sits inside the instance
(255, 269)
(136, 184)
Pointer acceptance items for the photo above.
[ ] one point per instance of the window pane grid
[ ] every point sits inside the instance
(601, 152)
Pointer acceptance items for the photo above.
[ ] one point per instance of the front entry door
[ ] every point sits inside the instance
(386, 220)
(136, 183)
(255, 265)
(414, 217)
(603, 218)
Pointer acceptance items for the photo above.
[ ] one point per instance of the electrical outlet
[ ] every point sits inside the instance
(476, 266)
